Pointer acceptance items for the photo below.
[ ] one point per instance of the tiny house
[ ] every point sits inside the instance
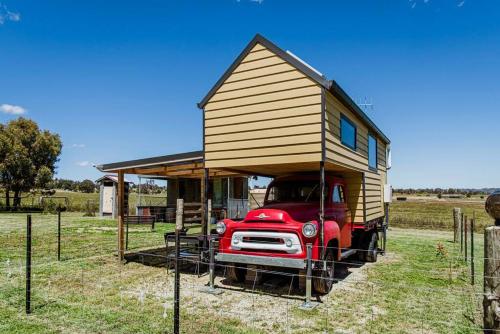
(273, 114)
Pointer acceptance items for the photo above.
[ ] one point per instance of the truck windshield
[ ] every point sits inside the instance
(294, 191)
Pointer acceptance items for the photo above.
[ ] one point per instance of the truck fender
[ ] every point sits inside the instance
(332, 233)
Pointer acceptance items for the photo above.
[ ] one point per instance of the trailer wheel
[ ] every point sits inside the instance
(236, 273)
(372, 249)
(323, 278)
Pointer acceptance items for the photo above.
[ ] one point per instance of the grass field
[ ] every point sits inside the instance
(425, 212)
(414, 288)
(77, 202)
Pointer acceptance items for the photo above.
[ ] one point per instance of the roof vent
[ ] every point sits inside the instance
(306, 64)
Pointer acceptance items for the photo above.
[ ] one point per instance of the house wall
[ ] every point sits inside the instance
(357, 159)
(265, 112)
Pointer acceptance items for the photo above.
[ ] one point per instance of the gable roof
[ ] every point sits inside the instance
(330, 85)
(110, 177)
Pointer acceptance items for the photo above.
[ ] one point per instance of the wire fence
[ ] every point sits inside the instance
(421, 285)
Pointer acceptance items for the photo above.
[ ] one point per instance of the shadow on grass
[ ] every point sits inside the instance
(277, 282)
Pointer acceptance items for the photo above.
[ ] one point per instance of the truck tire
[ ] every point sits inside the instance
(323, 278)
(372, 249)
(236, 273)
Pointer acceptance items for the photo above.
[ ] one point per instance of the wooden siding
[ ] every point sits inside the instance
(267, 116)
(357, 159)
(265, 112)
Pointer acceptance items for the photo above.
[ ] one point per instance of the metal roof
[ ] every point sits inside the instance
(164, 160)
(113, 178)
(330, 85)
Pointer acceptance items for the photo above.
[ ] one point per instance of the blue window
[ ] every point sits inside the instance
(347, 132)
(372, 152)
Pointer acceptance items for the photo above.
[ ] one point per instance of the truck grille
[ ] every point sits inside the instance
(269, 241)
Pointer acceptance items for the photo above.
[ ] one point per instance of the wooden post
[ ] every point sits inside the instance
(178, 228)
(491, 301)
(209, 215)
(59, 234)
(461, 232)
(472, 269)
(456, 224)
(28, 265)
(465, 239)
(121, 216)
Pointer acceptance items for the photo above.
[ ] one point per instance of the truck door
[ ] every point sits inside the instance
(338, 211)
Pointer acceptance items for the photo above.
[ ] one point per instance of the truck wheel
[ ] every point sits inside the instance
(236, 273)
(372, 249)
(323, 279)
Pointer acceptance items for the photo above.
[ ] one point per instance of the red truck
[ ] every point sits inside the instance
(277, 234)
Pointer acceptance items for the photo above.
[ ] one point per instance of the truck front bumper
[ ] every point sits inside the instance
(262, 260)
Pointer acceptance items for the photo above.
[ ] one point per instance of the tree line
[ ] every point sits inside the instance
(443, 191)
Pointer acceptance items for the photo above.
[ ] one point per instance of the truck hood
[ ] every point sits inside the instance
(283, 212)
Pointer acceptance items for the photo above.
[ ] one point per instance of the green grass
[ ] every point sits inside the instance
(430, 213)
(412, 289)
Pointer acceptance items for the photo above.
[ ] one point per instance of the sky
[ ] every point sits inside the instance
(120, 80)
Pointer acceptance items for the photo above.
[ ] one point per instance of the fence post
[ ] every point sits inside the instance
(465, 239)
(461, 232)
(178, 228)
(456, 224)
(491, 300)
(28, 264)
(58, 235)
(308, 304)
(472, 271)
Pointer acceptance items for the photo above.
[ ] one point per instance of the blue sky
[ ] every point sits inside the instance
(120, 80)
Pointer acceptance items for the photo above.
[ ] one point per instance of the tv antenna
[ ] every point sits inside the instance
(366, 104)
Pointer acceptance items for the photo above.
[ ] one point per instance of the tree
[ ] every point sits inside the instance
(28, 157)
(87, 186)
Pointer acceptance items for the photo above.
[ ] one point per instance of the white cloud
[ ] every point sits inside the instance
(12, 109)
(461, 3)
(258, 1)
(78, 145)
(7, 15)
(83, 163)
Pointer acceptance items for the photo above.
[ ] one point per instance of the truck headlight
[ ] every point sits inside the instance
(220, 227)
(309, 230)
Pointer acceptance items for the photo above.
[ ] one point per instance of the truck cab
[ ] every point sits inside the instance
(277, 234)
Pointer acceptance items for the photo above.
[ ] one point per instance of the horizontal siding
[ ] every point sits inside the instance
(265, 115)
(263, 89)
(265, 133)
(271, 160)
(269, 97)
(266, 151)
(265, 124)
(266, 142)
(259, 63)
(261, 81)
(266, 111)
(260, 72)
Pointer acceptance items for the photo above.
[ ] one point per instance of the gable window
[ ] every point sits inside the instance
(372, 152)
(347, 132)
(338, 194)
